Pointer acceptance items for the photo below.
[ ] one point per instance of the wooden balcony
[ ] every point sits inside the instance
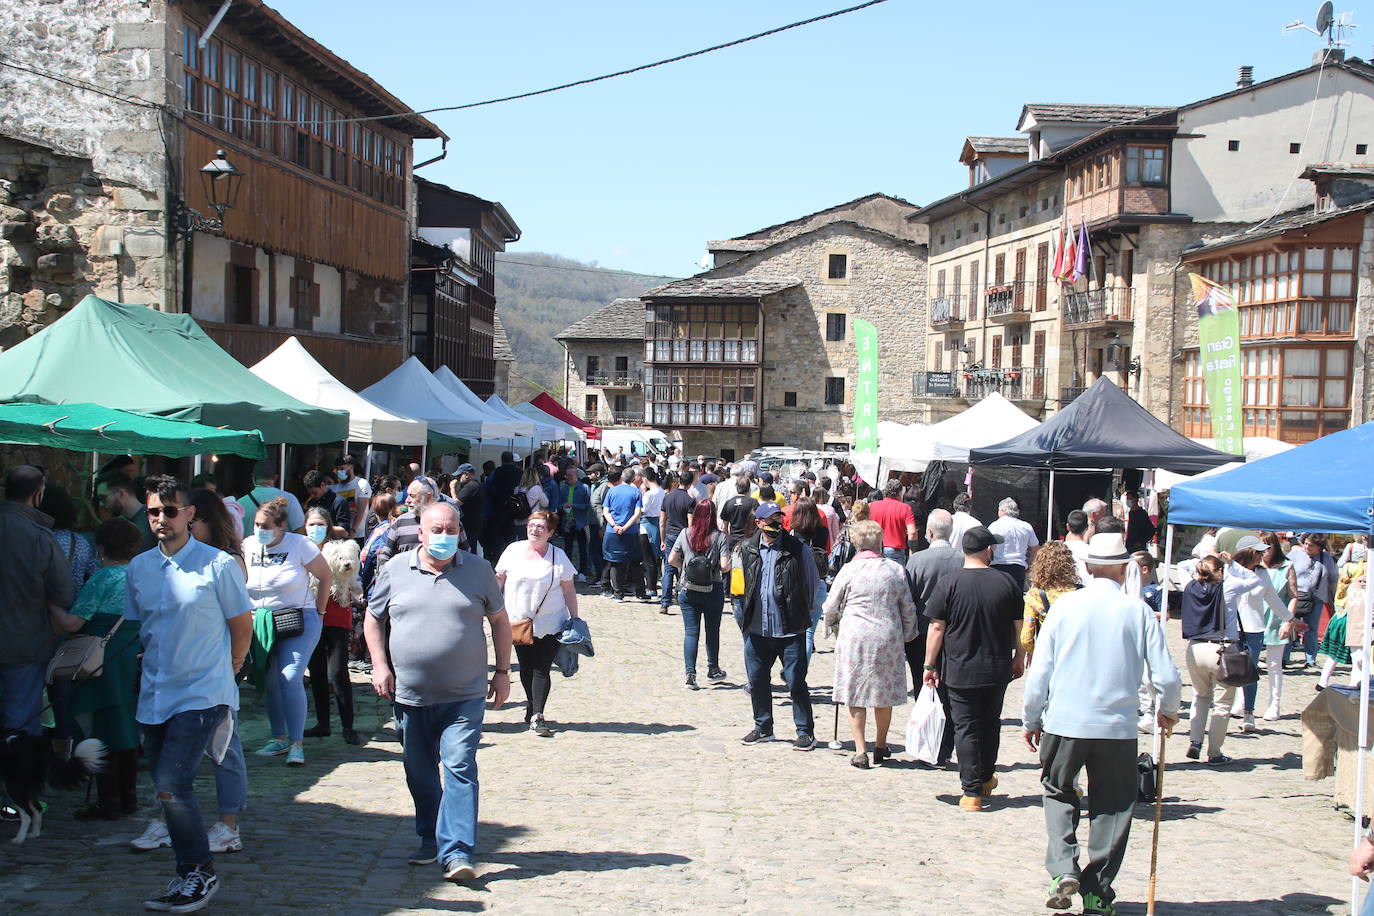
(1094, 308)
(355, 361)
(947, 312)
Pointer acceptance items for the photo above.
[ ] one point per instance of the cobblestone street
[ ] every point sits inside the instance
(645, 800)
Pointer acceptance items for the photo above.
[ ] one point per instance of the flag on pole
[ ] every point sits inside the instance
(1080, 263)
(1218, 330)
(1065, 274)
(1058, 254)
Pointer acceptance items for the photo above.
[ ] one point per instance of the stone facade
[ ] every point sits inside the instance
(608, 385)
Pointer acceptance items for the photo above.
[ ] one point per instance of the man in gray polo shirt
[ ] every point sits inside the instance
(436, 598)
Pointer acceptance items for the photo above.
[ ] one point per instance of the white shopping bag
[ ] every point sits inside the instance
(926, 727)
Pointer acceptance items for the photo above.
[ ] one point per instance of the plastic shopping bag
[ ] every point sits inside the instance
(926, 727)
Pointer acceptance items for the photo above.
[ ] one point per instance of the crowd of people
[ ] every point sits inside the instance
(412, 578)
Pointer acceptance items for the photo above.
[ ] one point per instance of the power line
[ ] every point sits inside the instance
(589, 270)
(81, 84)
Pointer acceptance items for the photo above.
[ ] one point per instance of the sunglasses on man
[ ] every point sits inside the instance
(165, 511)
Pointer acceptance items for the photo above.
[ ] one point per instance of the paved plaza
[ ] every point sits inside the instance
(644, 800)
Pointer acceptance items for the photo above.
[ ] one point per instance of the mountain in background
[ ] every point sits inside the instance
(538, 295)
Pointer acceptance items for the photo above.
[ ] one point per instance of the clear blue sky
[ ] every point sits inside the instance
(637, 173)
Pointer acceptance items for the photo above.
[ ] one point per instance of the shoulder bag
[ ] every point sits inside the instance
(80, 658)
(522, 631)
(1235, 667)
(286, 621)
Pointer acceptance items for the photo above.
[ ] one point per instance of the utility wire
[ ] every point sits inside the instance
(81, 84)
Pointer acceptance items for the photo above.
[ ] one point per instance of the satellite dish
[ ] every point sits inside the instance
(1324, 17)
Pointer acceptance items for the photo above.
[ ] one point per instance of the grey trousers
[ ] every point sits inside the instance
(1112, 787)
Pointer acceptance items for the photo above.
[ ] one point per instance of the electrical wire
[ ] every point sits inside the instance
(74, 83)
(1311, 116)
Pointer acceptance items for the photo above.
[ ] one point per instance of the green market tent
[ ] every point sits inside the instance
(92, 428)
(135, 358)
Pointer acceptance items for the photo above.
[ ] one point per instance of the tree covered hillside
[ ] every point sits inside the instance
(538, 295)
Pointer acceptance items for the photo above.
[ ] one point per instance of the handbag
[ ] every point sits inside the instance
(288, 622)
(1235, 667)
(80, 658)
(522, 631)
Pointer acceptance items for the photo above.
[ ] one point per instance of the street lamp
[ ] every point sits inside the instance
(220, 180)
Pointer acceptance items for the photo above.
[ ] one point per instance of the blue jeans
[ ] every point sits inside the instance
(816, 610)
(1309, 639)
(1255, 643)
(697, 607)
(892, 553)
(174, 749)
(286, 679)
(443, 736)
(760, 654)
(665, 585)
(231, 777)
(21, 697)
(1368, 908)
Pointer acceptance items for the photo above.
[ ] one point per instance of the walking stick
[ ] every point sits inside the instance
(1154, 840)
(835, 744)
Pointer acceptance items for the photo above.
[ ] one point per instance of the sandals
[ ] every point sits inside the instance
(860, 761)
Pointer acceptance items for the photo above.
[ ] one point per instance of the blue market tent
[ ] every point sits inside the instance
(1325, 485)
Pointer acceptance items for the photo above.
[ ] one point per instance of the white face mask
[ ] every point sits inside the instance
(316, 533)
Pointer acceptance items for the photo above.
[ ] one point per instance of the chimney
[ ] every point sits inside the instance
(1246, 79)
(1328, 55)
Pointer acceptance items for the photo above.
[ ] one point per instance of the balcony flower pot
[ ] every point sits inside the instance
(1013, 375)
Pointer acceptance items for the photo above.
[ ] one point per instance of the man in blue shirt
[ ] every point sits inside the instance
(780, 582)
(193, 608)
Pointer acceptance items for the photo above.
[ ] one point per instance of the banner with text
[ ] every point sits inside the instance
(866, 392)
(1218, 328)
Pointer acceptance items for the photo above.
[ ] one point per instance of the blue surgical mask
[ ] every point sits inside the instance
(263, 535)
(442, 546)
(316, 533)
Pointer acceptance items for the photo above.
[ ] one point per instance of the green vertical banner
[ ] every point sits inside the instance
(1218, 330)
(866, 392)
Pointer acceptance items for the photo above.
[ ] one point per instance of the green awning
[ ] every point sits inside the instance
(92, 428)
(135, 358)
(439, 444)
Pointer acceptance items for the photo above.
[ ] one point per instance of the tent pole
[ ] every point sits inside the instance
(424, 454)
(281, 468)
(195, 465)
(1362, 749)
(368, 472)
(1049, 514)
(1166, 580)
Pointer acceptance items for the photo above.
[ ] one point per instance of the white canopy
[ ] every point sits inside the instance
(544, 430)
(413, 389)
(565, 431)
(901, 446)
(993, 419)
(291, 368)
(509, 427)
(1256, 447)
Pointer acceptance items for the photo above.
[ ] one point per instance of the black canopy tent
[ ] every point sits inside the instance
(1102, 428)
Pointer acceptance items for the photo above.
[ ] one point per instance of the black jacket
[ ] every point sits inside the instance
(794, 597)
(1203, 607)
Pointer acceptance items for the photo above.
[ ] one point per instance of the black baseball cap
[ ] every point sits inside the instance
(979, 539)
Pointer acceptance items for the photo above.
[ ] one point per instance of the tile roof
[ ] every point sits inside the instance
(997, 144)
(768, 231)
(1337, 169)
(1286, 222)
(500, 343)
(1057, 112)
(623, 319)
(702, 287)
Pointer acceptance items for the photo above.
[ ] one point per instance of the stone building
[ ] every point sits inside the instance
(603, 374)
(108, 111)
(1145, 182)
(503, 358)
(759, 350)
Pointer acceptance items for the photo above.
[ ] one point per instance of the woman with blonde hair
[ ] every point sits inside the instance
(870, 604)
(1052, 574)
(533, 489)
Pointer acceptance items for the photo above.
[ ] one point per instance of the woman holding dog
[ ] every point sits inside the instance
(280, 564)
(329, 662)
(537, 579)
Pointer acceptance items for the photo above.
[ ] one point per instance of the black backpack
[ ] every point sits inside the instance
(519, 504)
(699, 575)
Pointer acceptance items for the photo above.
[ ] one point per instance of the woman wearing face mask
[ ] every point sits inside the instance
(537, 579)
(280, 565)
(329, 661)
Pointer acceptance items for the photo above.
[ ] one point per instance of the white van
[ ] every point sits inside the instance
(635, 440)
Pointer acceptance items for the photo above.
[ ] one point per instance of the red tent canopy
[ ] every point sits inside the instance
(559, 412)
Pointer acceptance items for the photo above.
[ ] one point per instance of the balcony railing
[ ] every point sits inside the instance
(1014, 301)
(947, 312)
(608, 417)
(1018, 383)
(608, 379)
(1068, 395)
(1097, 306)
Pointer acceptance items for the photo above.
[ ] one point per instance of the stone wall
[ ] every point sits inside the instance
(575, 396)
(1361, 390)
(886, 284)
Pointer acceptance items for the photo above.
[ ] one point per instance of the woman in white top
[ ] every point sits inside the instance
(280, 564)
(649, 535)
(537, 579)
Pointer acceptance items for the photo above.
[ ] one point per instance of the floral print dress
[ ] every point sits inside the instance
(870, 600)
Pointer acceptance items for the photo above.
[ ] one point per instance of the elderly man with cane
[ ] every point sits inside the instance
(1080, 709)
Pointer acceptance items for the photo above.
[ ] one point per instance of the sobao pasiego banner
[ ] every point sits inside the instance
(866, 392)
(1218, 329)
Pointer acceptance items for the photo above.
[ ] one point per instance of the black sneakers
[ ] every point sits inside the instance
(756, 735)
(804, 742)
(715, 674)
(186, 894)
(692, 682)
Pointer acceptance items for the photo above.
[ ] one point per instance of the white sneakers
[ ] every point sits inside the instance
(221, 836)
(1271, 714)
(1247, 724)
(224, 838)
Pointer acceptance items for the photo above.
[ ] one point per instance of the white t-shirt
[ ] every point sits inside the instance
(653, 502)
(277, 577)
(356, 489)
(1079, 549)
(962, 522)
(1017, 538)
(536, 580)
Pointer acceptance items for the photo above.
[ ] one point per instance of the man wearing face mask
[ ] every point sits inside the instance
(322, 497)
(404, 535)
(435, 599)
(780, 581)
(356, 494)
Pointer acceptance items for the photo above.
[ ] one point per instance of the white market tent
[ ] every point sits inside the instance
(544, 430)
(291, 368)
(496, 425)
(412, 389)
(1256, 447)
(566, 431)
(910, 447)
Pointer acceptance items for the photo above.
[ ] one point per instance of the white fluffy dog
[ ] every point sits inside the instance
(342, 557)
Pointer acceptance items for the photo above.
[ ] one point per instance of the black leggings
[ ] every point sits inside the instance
(331, 655)
(535, 662)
